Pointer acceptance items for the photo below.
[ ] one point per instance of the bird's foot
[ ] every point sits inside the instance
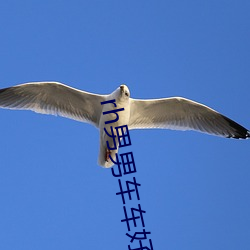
(107, 156)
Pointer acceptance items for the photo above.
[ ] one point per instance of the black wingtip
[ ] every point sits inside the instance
(248, 134)
(239, 131)
(3, 90)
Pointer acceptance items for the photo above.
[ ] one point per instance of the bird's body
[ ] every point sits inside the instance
(121, 103)
(167, 113)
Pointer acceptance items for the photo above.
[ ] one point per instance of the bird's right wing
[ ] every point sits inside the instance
(54, 98)
(182, 114)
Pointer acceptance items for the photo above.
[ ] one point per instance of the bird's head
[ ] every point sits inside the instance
(124, 91)
(121, 93)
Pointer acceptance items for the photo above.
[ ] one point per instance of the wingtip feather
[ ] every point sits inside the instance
(3, 90)
(239, 131)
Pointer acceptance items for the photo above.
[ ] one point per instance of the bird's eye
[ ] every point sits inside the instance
(126, 93)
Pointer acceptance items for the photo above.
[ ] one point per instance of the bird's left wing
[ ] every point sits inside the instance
(54, 98)
(182, 114)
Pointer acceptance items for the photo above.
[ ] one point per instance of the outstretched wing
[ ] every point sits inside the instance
(182, 114)
(54, 98)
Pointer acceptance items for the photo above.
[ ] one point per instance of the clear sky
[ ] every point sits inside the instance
(195, 188)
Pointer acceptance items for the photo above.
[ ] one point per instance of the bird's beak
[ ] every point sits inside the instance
(122, 88)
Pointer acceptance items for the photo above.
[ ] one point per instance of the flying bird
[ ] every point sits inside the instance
(175, 113)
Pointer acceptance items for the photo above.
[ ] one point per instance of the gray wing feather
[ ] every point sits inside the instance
(54, 98)
(182, 114)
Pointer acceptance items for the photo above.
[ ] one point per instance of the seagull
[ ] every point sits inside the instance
(175, 113)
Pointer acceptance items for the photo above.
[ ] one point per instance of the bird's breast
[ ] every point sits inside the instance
(123, 118)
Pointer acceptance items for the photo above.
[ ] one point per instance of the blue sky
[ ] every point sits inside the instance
(194, 187)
